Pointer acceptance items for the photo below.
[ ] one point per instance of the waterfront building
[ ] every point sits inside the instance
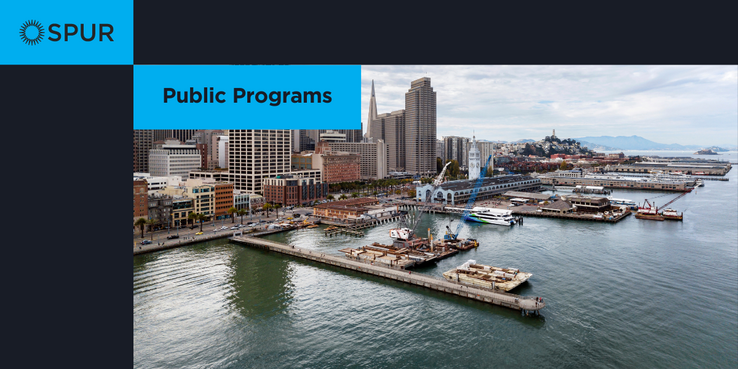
(257, 154)
(171, 158)
(706, 168)
(140, 192)
(223, 199)
(353, 209)
(182, 207)
(160, 209)
(202, 194)
(420, 127)
(290, 190)
(374, 159)
(458, 192)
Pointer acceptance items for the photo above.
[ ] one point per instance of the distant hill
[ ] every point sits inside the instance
(635, 143)
(597, 147)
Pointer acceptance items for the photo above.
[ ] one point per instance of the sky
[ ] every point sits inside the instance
(687, 105)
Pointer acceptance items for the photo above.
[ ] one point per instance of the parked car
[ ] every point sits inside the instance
(146, 242)
(234, 228)
(171, 237)
(198, 233)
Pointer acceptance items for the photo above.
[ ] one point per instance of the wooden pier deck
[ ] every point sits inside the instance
(525, 304)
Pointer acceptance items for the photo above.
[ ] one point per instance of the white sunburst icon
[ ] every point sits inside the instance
(31, 32)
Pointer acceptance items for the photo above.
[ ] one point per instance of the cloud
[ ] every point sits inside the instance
(670, 104)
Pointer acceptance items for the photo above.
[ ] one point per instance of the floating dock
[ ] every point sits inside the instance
(485, 276)
(525, 304)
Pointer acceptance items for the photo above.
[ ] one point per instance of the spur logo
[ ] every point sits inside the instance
(32, 32)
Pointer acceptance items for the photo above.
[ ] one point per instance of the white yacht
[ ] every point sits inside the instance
(491, 216)
(625, 202)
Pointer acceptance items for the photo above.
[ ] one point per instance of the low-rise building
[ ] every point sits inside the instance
(459, 192)
(223, 199)
(160, 209)
(182, 207)
(353, 209)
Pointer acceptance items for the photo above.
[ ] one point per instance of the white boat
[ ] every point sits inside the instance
(625, 202)
(491, 216)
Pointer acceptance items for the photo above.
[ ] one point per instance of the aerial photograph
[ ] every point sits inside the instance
(549, 216)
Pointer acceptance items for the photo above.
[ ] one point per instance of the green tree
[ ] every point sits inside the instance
(355, 195)
(330, 197)
(276, 208)
(343, 197)
(453, 169)
(140, 222)
(411, 193)
(563, 165)
(192, 216)
(241, 213)
(267, 207)
(230, 212)
(152, 223)
(439, 165)
(201, 218)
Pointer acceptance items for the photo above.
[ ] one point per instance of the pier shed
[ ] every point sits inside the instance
(527, 195)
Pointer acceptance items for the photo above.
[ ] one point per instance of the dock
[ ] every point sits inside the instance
(526, 305)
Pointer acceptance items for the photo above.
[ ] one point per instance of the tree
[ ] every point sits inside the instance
(276, 208)
(151, 223)
(267, 207)
(330, 197)
(242, 212)
(200, 218)
(397, 192)
(453, 168)
(343, 197)
(355, 195)
(439, 165)
(411, 193)
(192, 216)
(230, 212)
(563, 165)
(140, 222)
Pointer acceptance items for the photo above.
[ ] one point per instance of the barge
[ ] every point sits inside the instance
(488, 277)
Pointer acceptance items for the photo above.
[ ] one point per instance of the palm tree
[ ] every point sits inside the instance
(192, 216)
(343, 197)
(200, 218)
(231, 211)
(276, 208)
(355, 195)
(151, 223)
(242, 212)
(140, 222)
(330, 197)
(267, 207)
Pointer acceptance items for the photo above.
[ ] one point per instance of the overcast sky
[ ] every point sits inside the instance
(688, 105)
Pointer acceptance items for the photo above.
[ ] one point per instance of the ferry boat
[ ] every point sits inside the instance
(625, 202)
(491, 216)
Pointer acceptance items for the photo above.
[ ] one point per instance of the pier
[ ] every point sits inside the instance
(524, 304)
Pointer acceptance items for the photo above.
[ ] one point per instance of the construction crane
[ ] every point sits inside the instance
(406, 232)
(470, 204)
(672, 200)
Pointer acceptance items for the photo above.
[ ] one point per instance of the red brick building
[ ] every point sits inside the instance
(341, 167)
(140, 199)
(223, 199)
(290, 190)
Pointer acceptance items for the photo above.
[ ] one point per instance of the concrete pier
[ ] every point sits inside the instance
(526, 304)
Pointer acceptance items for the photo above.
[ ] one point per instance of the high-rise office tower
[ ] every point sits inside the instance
(180, 134)
(456, 148)
(144, 141)
(420, 127)
(257, 154)
(372, 113)
(390, 127)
